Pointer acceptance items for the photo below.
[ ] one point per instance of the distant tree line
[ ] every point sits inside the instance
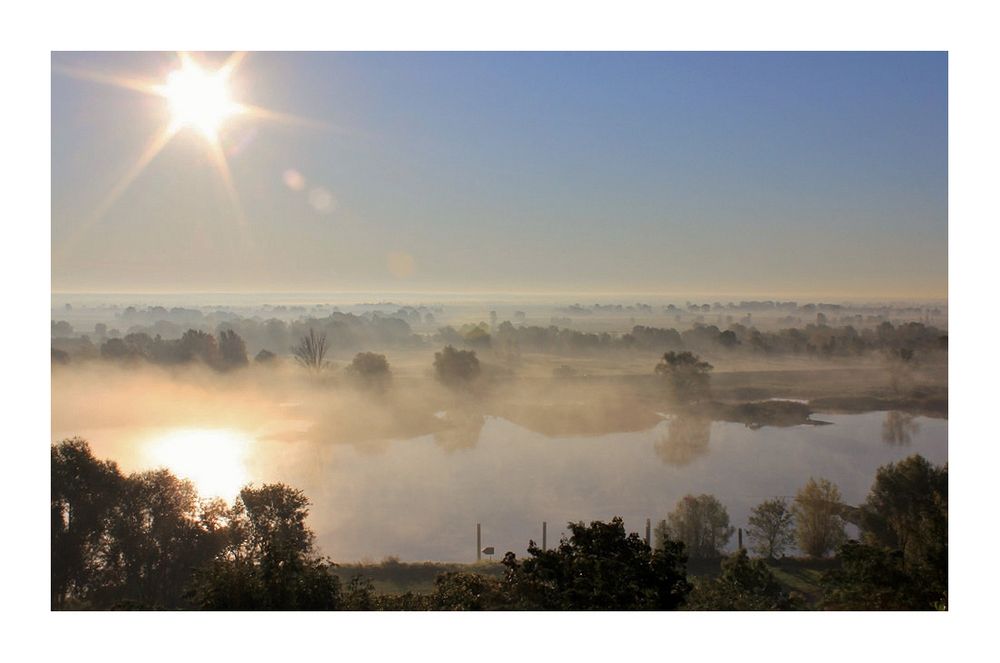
(146, 541)
(818, 340)
(347, 332)
(226, 351)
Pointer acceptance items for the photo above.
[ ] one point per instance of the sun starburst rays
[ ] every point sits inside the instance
(153, 147)
(222, 166)
(133, 83)
(199, 99)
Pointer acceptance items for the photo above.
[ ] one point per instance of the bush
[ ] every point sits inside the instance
(744, 584)
(370, 369)
(871, 578)
(599, 567)
(456, 367)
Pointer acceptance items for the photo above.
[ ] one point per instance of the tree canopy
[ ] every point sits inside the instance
(268, 562)
(701, 523)
(907, 511)
(873, 578)
(120, 539)
(371, 369)
(686, 375)
(771, 528)
(456, 367)
(599, 567)
(819, 525)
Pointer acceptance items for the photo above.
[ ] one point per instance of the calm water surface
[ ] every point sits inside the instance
(421, 498)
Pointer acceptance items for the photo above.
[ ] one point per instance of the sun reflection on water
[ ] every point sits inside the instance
(214, 459)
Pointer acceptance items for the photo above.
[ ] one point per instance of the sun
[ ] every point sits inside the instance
(214, 459)
(199, 99)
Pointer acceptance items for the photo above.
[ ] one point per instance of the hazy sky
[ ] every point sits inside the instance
(735, 173)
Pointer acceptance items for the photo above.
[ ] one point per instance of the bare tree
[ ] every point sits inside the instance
(311, 350)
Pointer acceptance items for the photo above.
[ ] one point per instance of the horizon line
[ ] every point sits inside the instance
(513, 293)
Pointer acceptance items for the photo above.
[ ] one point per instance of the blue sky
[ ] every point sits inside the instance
(778, 174)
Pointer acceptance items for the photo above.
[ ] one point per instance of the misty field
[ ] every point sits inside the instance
(403, 449)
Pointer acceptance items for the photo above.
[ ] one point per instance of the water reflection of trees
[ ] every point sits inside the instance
(685, 440)
(462, 430)
(899, 428)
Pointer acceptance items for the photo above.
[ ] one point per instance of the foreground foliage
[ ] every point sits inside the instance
(743, 584)
(599, 567)
(146, 541)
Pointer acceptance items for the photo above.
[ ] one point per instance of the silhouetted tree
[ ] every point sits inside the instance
(84, 491)
(687, 376)
(370, 368)
(728, 339)
(456, 367)
(116, 348)
(147, 541)
(477, 337)
(598, 567)
(701, 523)
(311, 350)
(264, 357)
(198, 345)
(771, 528)
(156, 536)
(268, 562)
(819, 525)
(232, 349)
(120, 540)
(61, 329)
(907, 511)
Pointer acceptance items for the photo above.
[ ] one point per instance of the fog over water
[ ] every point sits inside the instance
(326, 327)
(420, 496)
